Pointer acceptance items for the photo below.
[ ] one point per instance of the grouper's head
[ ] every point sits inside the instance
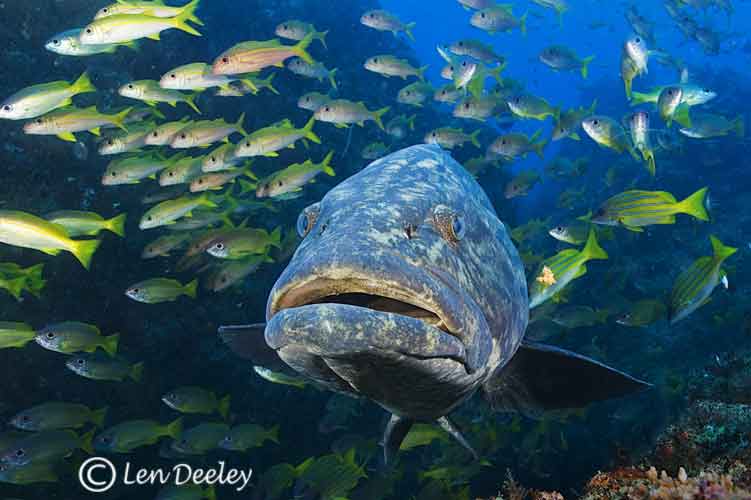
(406, 288)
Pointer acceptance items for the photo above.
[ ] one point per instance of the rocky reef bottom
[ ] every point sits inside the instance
(706, 455)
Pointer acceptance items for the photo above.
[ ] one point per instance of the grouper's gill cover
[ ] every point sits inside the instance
(407, 290)
(389, 231)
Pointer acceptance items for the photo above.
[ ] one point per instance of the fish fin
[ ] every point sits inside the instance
(694, 205)
(67, 136)
(396, 430)
(267, 83)
(247, 172)
(452, 429)
(378, 114)
(408, 30)
(248, 342)
(246, 186)
(97, 131)
(16, 286)
(136, 372)
(83, 84)
(119, 119)
(721, 252)
(739, 126)
(84, 251)
(239, 125)
(191, 101)
(650, 159)
(155, 37)
(627, 84)
(473, 137)
(193, 18)
(109, 344)
(332, 80)
(574, 136)
(539, 148)
(523, 24)
(97, 416)
(191, 288)
(639, 98)
(117, 224)
(411, 122)
(585, 66)
(592, 249)
(250, 83)
(174, 428)
(421, 72)
(86, 440)
(187, 14)
(271, 154)
(223, 407)
(275, 238)
(308, 133)
(273, 434)
(300, 49)
(540, 378)
(325, 164)
(682, 116)
(321, 37)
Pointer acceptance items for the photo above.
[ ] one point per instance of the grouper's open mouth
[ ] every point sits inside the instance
(333, 312)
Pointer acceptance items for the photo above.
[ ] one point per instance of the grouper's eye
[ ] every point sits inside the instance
(307, 219)
(450, 225)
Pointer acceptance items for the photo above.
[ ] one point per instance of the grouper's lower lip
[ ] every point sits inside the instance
(332, 330)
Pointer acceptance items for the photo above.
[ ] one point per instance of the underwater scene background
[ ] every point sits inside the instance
(528, 96)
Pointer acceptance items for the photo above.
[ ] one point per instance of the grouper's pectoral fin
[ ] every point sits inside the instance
(248, 342)
(397, 429)
(542, 377)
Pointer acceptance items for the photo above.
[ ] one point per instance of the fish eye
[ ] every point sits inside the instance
(461, 44)
(7, 107)
(183, 136)
(375, 60)
(595, 122)
(466, 105)
(171, 174)
(55, 42)
(464, 64)
(225, 60)
(219, 246)
(482, 15)
(213, 159)
(637, 40)
(110, 142)
(503, 142)
(105, 10)
(559, 229)
(130, 86)
(147, 218)
(285, 27)
(450, 224)
(223, 279)
(434, 134)
(114, 174)
(79, 361)
(88, 31)
(200, 181)
(451, 68)
(39, 121)
(25, 418)
(173, 75)
(327, 108)
(20, 452)
(307, 220)
(50, 335)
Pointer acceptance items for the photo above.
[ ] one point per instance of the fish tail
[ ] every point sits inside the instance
(223, 407)
(523, 24)
(275, 238)
(136, 372)
(325, 166)
(193, 18)
(408, 30)
(639, 98)
(174, 428)
(16, 286)
(206, 201)
(273, 434)
(694, 205)
(191, 289)
(83, 84)
(321, 37)
(210, 493)
(132, 45)
(585, 66)
(239, 125)
(180, 21)
(739, 126)
(411, 122)
(649, 156)
(119, 119)
(117, 224)
(593, 107)
(110, 344)
(539, 148)
(682, 116)
(332, 80)
(421, 72)
(721, 251)
(593, 250)
(627, 85)
(86, 440)
(300, 49)
(267, 82)
(190, 100)
(97, 416)
(246, 186)
(379, 113)
(308, 131)
(84, 251)
(473, 138)
(247, 172)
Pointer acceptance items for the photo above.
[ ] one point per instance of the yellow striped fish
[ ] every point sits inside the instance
(635, 209)
(694, 286)
(562, 269)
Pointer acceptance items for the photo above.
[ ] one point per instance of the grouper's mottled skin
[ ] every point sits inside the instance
(386, 232)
